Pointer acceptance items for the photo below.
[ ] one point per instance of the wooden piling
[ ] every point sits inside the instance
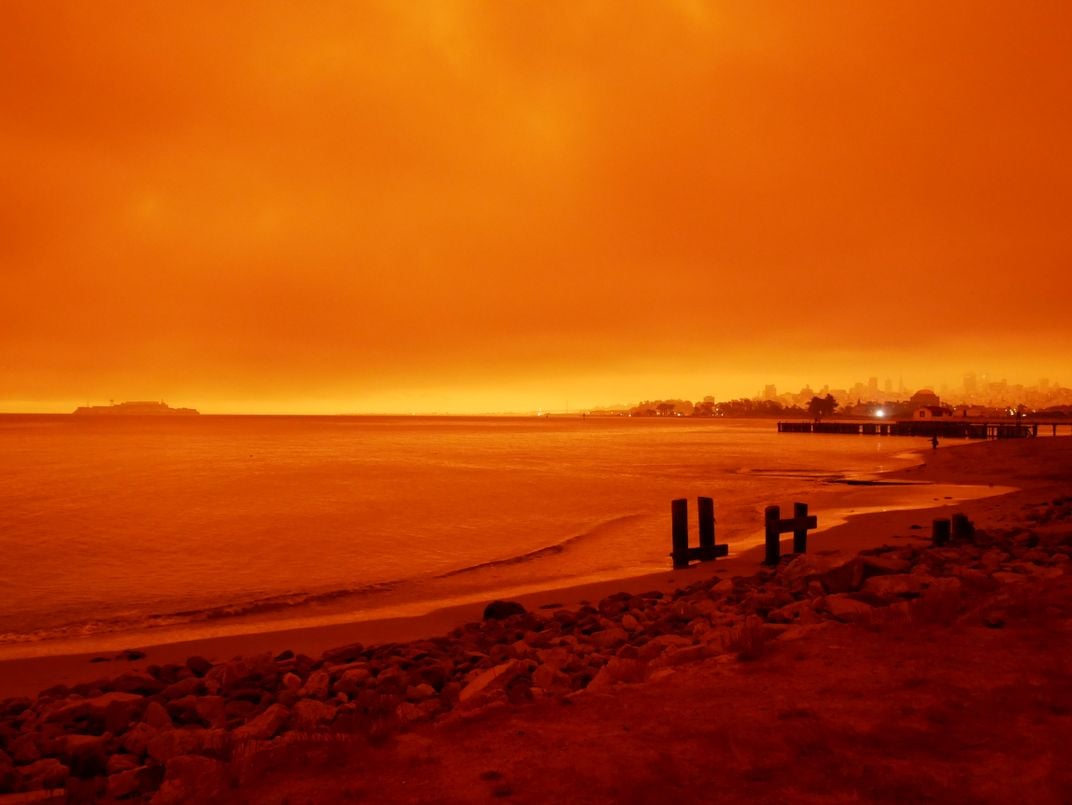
(706, 512)
(773, 540)
(800, 535)
(962, 527)
(940, 532)
(679, 532)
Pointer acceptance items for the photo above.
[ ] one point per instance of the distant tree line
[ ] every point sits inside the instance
(741, 407)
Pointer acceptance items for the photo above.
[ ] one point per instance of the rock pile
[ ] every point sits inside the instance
(148, 733)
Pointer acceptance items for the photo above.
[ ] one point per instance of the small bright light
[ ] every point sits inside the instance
(880, 413)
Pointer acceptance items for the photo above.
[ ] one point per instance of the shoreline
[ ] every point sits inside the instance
(956, 465)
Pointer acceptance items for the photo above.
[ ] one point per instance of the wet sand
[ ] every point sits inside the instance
(993, 481)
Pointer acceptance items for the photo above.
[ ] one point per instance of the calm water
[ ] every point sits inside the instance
(112, 526)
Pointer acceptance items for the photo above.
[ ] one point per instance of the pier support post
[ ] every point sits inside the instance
(706, 512)
(800, 535)
(679, 532)
(772, 538)
(940, 532)
(962, 527)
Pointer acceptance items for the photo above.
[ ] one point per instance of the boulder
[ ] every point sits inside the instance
(351, 681)
(309, 714)
(292, 681)
(418, 693)
(500, 610)
(199, 666)
(171, 743)
(657, 645)
(157, 716)
(549, 677)
(120, 762)
(343, 654)
(115, 707)
(136, 740)
(836, 574)
(231, 675)
(264, 726)
(883, 564)
(617, 671)
(486, 684)
(8, 775)
(316, 686)
(609, 638)
(211, 710)
(191, 686)
(137, 682)
(24, 749)
(894, 585)
(797, 612)
(843, 607)
(125, 783)
(1005, 577)
(189, 778)
(48, 774)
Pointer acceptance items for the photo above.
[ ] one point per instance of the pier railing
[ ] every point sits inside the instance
(949, 428)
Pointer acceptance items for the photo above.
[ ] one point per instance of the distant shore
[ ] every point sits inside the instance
(1007, 472)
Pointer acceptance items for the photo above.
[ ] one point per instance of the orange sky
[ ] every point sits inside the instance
(503, 206)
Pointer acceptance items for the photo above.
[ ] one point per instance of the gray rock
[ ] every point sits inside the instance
(171, 743)
(500, 610)
(894, 585)
(486, 684)
(157, 716)
(841, 606)
(264, 726)
(309, 714)
(316, 686)
(189, 778)
(48, 774)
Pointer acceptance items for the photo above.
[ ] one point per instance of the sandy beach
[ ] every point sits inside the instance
(850, 518)
(809, 681)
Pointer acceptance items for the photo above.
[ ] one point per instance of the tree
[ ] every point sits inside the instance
(819, 407)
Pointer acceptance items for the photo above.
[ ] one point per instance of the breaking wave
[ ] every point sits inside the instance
(548, 550)
(130, 622)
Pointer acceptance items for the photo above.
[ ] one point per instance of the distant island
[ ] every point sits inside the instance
(138, 408)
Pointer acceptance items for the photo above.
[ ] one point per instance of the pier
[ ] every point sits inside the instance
(950, 428)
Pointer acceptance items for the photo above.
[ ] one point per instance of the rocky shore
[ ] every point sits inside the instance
(179, 732)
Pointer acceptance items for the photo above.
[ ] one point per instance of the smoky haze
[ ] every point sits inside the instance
(485, 207)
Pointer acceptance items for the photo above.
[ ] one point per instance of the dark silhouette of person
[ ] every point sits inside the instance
(934, 441)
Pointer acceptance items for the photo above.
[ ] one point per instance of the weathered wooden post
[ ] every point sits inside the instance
(940, 531)
(679, 531)
(706, 512)
(800, 533)
(773, 541)
(962, 527)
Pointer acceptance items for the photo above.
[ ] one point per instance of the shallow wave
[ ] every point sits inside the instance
(548, 550)
(257, 606)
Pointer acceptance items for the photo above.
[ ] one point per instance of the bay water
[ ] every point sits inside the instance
(117, 527)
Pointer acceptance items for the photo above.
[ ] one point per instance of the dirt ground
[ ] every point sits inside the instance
(912, 713)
